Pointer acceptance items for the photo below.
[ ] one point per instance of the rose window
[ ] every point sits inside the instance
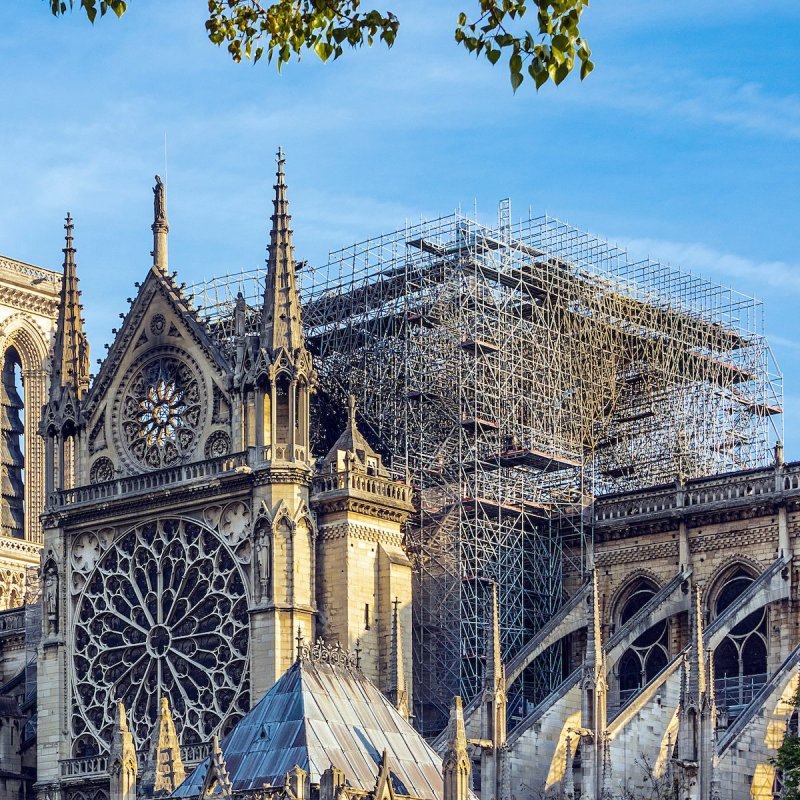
(161, 412)
(164, 612)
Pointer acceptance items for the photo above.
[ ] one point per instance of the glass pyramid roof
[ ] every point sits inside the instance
(319, 715)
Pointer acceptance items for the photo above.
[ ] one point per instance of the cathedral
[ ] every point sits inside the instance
(222, 612)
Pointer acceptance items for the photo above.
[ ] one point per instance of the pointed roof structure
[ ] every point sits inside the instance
(323, 714)
(351, 441)
(71, 347)
(281, 328)
(164, 767)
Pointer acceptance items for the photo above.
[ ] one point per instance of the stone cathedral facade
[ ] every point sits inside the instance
(222, 614)
(189, 543)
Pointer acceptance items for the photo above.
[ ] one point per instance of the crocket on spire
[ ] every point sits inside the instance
(71, 348)
(280, 325)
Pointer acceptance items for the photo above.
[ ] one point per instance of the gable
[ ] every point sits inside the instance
(161, 396)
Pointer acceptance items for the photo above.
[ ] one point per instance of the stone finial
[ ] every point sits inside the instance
(160, 226)
(294, 784)
(217, 782)
(331, 784)
(456, 765)
(383, 784)
(122, 766)
(71, 347)
(165, 770)
(778, 453)
(569, 778)
(396, 688)
(493, 701)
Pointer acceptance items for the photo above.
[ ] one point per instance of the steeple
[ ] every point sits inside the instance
(396, 688)
(160, 226)
(280, 323)
(71, 348)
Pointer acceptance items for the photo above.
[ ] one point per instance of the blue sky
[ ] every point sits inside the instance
(683, 144)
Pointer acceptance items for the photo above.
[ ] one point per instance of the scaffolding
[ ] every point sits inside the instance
(514, 372)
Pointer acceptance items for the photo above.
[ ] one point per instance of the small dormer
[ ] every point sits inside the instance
(352, 452)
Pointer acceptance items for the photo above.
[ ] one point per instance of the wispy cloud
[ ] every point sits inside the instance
(702, 259)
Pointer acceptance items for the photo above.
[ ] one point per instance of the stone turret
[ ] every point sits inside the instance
(363, 572)
(456, 765)
(122, 766)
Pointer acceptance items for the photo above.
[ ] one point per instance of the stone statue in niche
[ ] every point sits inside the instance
(263, 548)
(50, 597)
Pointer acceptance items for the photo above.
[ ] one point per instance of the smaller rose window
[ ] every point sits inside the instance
(161, 412)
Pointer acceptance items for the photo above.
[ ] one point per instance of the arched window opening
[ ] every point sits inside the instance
(12, 421)
(740, 661)
(647, 656)
(282, 422)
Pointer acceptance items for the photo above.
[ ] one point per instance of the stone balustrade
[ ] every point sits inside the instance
(13, 620)
(376, 485)
(769, 483)
(195, 753)
(84, 767)
(148, 481)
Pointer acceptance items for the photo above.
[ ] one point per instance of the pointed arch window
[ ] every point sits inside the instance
(13, 446)
(740, 660)
(648, 654)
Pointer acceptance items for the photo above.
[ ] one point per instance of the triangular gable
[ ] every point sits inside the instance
(180, 324)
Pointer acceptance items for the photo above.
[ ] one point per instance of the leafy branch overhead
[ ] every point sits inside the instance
(284, 29)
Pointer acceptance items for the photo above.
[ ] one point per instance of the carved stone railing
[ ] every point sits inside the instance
(267, 453)
(376, 485)
(85, 767)
(768, 483)
(29, 271)
(195, 753)
(12, 621)
(148, 481)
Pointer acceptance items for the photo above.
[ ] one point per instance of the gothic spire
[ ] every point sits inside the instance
(495, 672)
(160, 226)
(396, 688)
(280, 325)
(71, 348)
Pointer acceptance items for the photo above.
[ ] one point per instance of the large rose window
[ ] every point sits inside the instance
(161, 412)
(164, 612)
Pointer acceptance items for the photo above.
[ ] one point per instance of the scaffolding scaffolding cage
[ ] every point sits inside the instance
(513, 372)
